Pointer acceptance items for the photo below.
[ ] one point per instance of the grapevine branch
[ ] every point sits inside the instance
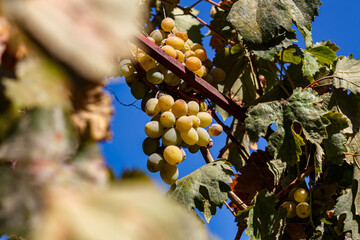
(205, 88)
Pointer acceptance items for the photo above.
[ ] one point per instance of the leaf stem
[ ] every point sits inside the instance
(323, 78)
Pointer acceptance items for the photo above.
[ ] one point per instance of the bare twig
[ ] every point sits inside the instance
(117, 99)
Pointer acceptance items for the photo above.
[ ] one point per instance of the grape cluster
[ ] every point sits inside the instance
(297, 205)
(176, 123)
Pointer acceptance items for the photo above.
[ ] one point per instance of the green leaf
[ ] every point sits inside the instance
(291, 55)
(310, 65)
(347, 74)
(329, 44)
(265, 222)
(344, 208)
(301, 108)
(204, 189)
(323, 54)
(188, 24)
(259, 21)
(277, 168)
(335, 144)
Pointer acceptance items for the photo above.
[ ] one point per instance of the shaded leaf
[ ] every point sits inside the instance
(206, 188)
(291, 55)
(347, 74)
(285, 143)
(329, 44)
(277, 168)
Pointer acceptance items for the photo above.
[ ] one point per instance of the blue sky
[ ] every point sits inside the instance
(338, 21)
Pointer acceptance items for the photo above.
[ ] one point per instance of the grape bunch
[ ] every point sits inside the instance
(176, 123)
(297, 205)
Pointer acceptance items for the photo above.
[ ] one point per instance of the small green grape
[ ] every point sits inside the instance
(205, 119)
(154, 76)
(204, 137)
(155, 162)
(303, 210)
(153, 129)
(301, 195)
(191, 137)
(290, 209)
(169, 173)
(126, 68)
(171, 79)
(152, 107)
(150, 145)
(171, 136)
(138, 89)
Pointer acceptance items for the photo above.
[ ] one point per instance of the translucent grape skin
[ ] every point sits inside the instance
(155, 162)
(150, 145)
(190, 137)
(301, 195)
(154, 76)
(303, 210)
(154, 129)
(167, 24)
(171, 136)
(205, 119)
(179, 108)
(184, 124)
(166, 102)
(167, 119)
(193, 108)
(193, 63)
(204, 137)
(138, 89)
(215, 129)
(169, 173)
(290, 209)
(152, 107)
(173, 155)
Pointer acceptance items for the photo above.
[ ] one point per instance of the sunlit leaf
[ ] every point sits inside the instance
(347, 74)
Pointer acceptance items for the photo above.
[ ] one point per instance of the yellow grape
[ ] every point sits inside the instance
(155, 162)
(180, 56)
(303, 210)
(171, 136)
(158, 35)
(153, 129)
(175, 42)
(173, 155)
(167, 119)
(201, 54)
(195, 120)
(145, 99)
(154, 76)
(140, 54)
(169, 173)
(203, 106)
(179, 108)
(167, 24)
(301, 195)
(190, 137)
(183, 35)
(126, 68)
(215, 129)
(201, 72)
(193, 63)
(193, 108)
(218, 75)
(290, 209)
(166, 102)
(196, 46)
(184, 124)
(147, 62)
(187, 46)
(152, 107)
(204, 137)
(171, 79)
(169, 50)
(189, 54)
(205, 119)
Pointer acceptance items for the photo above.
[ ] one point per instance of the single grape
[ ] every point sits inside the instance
(153, 129)
(152, 107)
(193, 63)
(155, 162)
(195, 120)
(196, 46)
(200, 72)
(184, 124)
(183, 154)
(171, 136)
(303, 210)
(205, 119)
(154, 76)
(183, 35)
(203, 106)
(152, 40)
(290, 209)
(208, 78)
(167, 119)
(161, 68)
(204, 137)
(169, 50)
(171, 79)
(201, 54)
(146, 98)
(138, 89)
(180, 56)
(301, 195)
(167, 24)
(175, 42)
(218, 75)
(194, 148)
(158, 35)
(150, 145)
(191, 137)
(147, 62)
(185, 87)
(166, 102)
(169, 173)
(126, 68)
(173, 155)
(215, 129)
(189, 53)
(179, 108)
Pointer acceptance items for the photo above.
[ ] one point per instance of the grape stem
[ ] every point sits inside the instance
(233, 197)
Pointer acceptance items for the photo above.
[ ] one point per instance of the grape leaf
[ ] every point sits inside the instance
(347, 74)
(335, 144)
(277, 168)
(310, 64)
(323, 54)
(188, 24)
(329, 44)
(300, 108)
(259, 21)
(345, 208)
(265, 222)
(204, 188)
